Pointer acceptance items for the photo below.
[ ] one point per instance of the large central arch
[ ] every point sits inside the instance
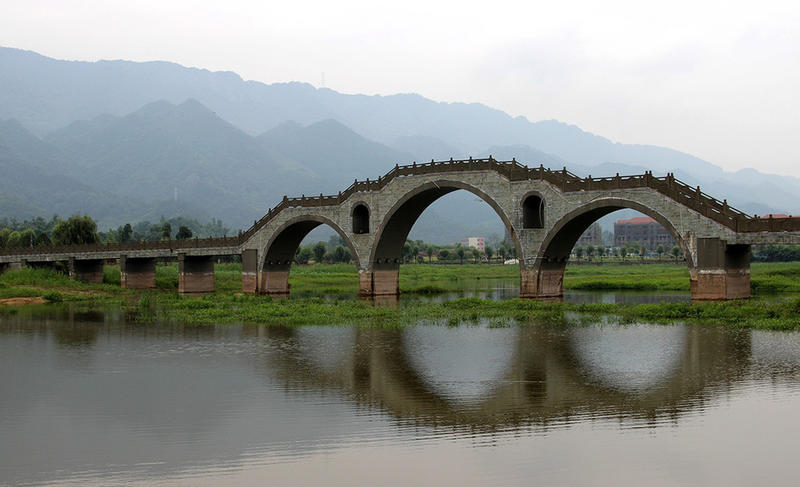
(281, 248)
(557, 245)
(392, 232)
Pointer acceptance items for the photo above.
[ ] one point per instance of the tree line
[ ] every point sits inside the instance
(775, 253)
(335, 250)
(632, 248)
(79, 229)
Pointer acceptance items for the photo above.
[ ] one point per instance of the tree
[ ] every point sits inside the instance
(341, 254)
(623, 251)
(489, 251)
(601, 251)
(166, 231)
(676, 251)
(319, 251)
(125, 233)
(184, 233)
(476, 254)
(26, 238)
(502, 251)
(75, 230)
(406, 251)
(460, 252)
(41, 240)
(579, 252)
(415, 252)
(430, 251)
(303, 255)
(589, 251)
(660, 251)
(443, 254)
(4, 233)
(14, 240)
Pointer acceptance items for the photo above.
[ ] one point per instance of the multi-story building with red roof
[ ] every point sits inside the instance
(644, 231)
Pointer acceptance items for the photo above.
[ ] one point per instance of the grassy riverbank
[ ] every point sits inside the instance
(226, 305)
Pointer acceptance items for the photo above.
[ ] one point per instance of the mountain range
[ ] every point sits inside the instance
(127, 141)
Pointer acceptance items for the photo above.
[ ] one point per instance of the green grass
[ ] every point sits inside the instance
(226, 305)
(217, 309)
(342, 279)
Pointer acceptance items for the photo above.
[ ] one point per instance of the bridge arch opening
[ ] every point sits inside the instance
(284, 249)
(391, 234)
(533, 211)
(360, 219)
(560, 243)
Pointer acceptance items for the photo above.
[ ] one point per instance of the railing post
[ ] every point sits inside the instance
(541, 172)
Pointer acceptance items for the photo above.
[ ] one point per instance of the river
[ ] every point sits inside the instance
(95, 399)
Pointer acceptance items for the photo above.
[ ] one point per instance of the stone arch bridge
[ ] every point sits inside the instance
(544, 212)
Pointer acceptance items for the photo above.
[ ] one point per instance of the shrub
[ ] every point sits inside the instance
(53, 297)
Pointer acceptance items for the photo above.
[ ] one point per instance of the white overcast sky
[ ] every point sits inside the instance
(718, 79)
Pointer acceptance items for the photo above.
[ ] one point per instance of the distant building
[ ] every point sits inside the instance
(644, 231)
(474, 242)
(592, 236)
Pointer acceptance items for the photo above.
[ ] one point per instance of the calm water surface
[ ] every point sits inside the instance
(502, 289)
(93, 399)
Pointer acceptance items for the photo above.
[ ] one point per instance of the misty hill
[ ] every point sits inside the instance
(45, 94)
(333, 153)
(177, 156)
(28, 188)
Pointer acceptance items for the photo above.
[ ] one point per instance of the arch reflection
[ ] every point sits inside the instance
(520, 375)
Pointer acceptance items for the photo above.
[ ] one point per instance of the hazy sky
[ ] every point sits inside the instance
(718, 79)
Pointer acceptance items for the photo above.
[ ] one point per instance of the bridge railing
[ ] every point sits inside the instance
(221, 242)
(691, 197)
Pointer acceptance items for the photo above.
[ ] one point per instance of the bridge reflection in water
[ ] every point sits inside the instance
(477, 376)
(232, 392)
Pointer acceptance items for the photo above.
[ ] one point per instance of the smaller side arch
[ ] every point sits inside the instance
(532, 210)
(278, 254)
(546, 278)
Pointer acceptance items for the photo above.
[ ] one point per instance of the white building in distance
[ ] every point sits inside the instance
(474, 242)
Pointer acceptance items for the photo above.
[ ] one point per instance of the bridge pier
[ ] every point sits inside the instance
(195, 274)
(250, 271)
(275, 279)
(89, 270)
(382, 281)
(546, 282)
(722, 271)
(137, 273)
